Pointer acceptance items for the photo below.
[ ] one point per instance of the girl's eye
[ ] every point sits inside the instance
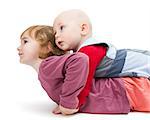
(25, 41)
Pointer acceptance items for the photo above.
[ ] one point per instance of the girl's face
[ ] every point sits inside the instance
(28, 50)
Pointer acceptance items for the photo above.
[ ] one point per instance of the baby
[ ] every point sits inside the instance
(73, 31)
(63, 76)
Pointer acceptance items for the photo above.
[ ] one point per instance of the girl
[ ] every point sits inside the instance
(63, 76)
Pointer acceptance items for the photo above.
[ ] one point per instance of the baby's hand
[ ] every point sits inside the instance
(67, 111)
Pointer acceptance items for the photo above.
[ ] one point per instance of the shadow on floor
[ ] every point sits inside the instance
(40, 107)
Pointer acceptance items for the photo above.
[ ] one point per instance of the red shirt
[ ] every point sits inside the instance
(95, 54)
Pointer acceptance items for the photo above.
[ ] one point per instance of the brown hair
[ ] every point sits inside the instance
(44, 35)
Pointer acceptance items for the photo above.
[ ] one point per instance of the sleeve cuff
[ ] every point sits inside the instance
(69, 104)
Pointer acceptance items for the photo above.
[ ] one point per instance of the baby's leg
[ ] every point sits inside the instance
(138, 93)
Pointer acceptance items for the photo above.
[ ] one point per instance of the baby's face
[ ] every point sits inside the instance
(68, 33)
(28, 50)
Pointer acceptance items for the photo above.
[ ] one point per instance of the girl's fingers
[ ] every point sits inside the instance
(57, 111)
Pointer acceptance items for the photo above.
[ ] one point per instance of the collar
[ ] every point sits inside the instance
(89, 41)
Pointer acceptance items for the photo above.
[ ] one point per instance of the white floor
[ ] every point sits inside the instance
(38, 110)
(41, 110)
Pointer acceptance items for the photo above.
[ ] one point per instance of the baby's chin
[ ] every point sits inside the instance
(65, 48)
(62, 46)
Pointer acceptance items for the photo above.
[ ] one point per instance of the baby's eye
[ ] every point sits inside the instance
(61, 27)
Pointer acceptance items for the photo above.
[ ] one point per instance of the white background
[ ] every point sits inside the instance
(124, 23)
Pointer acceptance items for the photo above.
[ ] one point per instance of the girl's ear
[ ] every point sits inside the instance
(49, 48)
(45, 51)
(84, 29)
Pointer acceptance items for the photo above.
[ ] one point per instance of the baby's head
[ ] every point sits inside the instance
(38, 42)
(72, 28)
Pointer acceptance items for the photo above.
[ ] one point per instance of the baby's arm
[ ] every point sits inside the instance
(95, 54)
(76, 72)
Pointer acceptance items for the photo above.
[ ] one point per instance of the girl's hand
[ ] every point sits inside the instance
(57, 110)
(67, 111)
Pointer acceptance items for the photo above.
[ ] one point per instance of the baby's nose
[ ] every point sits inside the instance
(56, 34)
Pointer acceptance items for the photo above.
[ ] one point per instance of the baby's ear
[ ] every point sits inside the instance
(84, 29)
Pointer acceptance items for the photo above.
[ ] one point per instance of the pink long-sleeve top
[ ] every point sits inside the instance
(64, 77)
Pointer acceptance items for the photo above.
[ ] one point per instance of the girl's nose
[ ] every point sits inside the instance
(18, 48)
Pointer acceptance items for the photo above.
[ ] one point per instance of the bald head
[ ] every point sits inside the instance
(74, 15)
(72, 28)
